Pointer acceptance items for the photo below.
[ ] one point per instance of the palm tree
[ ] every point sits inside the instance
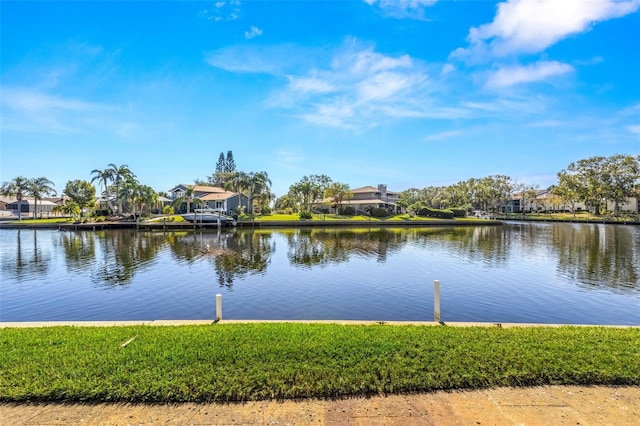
(264, 200)
(146, 197)
(127, 192)
(38, 188)
(188, 197)
(121, 174)
(18, 187)
(105, 176)
(237, 182)
(68, 208)
(258, 183)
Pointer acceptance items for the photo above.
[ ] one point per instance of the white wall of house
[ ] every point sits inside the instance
(630, 205)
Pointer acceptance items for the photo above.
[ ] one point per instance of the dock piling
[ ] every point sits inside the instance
(436, 300)
(218, 307)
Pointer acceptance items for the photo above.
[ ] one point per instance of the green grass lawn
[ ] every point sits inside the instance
(332, 217)
(31, 221)
(580, 216)
(286, 360)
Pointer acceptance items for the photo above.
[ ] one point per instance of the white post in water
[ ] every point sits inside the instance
(436, 300)
(218, 307)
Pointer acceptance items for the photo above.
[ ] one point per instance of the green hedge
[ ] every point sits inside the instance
(439, 213)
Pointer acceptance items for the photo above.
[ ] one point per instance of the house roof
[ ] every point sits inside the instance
(198, 188)
(32, 202)
(369, 189)
(371, 201)
(218, 196)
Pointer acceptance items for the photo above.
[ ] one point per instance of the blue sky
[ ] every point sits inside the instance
(410, 93)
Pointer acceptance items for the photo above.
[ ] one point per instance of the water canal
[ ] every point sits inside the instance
(519, 272)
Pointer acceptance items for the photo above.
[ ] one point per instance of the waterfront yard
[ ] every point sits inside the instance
(294, 360)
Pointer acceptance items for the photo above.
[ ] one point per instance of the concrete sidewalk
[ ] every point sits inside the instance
(546, 405)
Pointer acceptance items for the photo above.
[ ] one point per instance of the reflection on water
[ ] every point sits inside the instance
(598, 256)
(320, 247)
(22, 258)
(496, 262)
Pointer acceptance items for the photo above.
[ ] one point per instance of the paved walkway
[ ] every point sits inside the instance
(547, 405)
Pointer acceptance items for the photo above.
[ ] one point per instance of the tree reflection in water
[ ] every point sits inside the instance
(234, 253)
(247, 252)
(320, 247)
(28, 259)
(597, 256)
(79, 249)
(123, 254)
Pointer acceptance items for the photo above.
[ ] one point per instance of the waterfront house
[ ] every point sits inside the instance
(366, 198)
(212, 196)
(28, 205)
(544, 201)
(630, 205)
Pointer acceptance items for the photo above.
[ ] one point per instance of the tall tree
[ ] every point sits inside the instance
(237, 182)
(258, 182)
(309, 189)
(39, 188)
(229, 163)
(18, 187)
(621, 177)
(338, 192)
(589, 174)
(121, 176)
(567, 189)
(82, 193)
(146, 197)
(105, 177)
(220, 165)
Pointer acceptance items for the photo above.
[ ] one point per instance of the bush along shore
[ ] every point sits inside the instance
(264, 221)
(238, 362)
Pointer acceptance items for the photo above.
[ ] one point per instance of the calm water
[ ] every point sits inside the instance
(543, 273)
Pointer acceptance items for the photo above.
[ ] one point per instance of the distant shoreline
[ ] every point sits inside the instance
(160, 226)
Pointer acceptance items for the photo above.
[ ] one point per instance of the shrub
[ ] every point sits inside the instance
(100, 212)
(99, 218)
(306, 215)
(168, 210)
(458, 211)
(442, 214)
(379, 212)
(347, 211)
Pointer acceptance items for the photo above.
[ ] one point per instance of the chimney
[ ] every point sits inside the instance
(382, 189)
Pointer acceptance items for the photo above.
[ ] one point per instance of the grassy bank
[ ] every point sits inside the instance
(285, 360)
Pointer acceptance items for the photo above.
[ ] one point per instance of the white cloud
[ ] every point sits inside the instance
(31, 111)
(530, 26)
(548, 123)
(222, 11)
(32, 101)
(444, 135)
(447, 69)
(634, 128)
(279, 60)
(400, 9)
(539, 71)
(310, 85)
(352, 87)
(252, 33)
(356, 90)
(385, 85)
